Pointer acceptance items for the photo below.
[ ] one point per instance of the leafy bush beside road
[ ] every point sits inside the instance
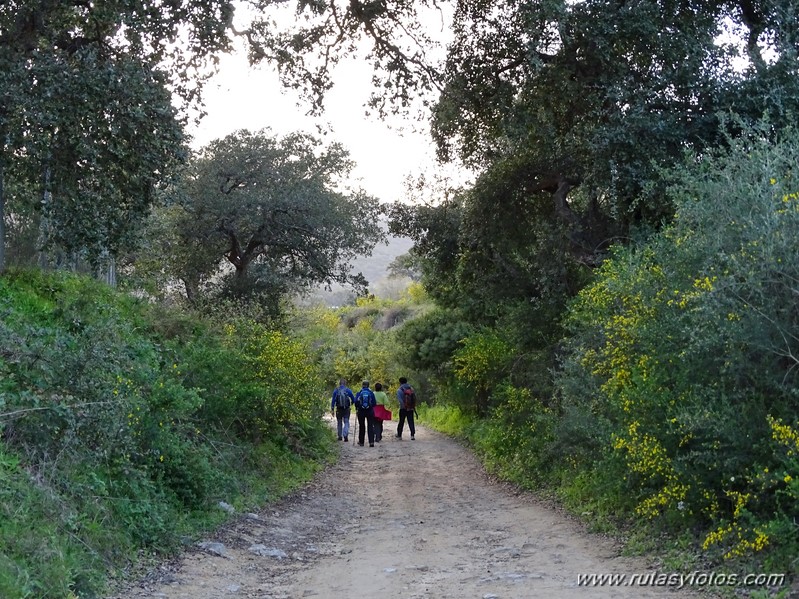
(673, 406)
(689, 344)
(123, 425)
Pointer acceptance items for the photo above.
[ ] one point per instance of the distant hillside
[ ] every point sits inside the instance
(374, 268)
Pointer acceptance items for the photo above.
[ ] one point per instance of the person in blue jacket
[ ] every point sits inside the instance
(365, 402)
(340, 407)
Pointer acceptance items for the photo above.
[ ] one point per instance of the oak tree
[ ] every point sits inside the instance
(88, 129)
(272, 214)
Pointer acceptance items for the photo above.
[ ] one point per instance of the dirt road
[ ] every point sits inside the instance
(406, 520)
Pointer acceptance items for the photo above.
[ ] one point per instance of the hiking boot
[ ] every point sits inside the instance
(360, 444)
(339, 438)
(413, 437)
(371, 444)
(345, 439)
(398, 436)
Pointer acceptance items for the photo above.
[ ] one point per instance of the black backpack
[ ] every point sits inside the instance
(342, 399)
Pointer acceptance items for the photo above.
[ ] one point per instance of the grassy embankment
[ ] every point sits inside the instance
(124, 424)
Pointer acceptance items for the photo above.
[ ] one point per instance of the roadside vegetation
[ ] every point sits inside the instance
(125, 424)
(664, 410)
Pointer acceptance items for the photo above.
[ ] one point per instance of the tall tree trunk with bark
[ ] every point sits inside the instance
(2, 219)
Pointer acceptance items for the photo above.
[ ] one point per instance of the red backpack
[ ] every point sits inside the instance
(410, 398)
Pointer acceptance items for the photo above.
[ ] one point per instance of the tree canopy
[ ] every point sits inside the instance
(583, 102)
(572, 113)
(88, 129)
(87, 124)
(580, 104)
(586, 100)
(276, 213)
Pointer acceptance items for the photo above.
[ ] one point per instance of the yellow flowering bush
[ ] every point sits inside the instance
(284, 383)
(679, 341)
(785, 435)
(481, 362)
(481, 359)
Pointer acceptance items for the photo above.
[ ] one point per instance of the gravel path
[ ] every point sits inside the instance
(406, 520)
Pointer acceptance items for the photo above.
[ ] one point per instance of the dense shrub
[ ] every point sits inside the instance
(684, 350)
(120, 425)
(358, 342)
(481, 362)
(516, 440)
(429, 342)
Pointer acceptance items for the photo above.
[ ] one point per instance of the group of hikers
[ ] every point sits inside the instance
(366, 403)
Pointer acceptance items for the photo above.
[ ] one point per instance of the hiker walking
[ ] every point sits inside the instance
(365, 404)
(407, 406)
(381, 398)
(340, 408)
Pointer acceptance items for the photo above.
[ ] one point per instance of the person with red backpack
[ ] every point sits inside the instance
(407, 407)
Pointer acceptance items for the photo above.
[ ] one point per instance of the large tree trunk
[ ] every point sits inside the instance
(2, 220)
(192, 289)
(44, 223)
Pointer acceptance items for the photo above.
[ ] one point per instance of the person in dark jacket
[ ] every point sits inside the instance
(405, 409)
(365, 403)
(340, 407)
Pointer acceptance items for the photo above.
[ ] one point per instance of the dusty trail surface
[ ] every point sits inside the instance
(402, 520)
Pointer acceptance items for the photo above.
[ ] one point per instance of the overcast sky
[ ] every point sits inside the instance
(243, 98)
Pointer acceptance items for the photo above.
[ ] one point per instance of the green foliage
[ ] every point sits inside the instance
(482, 359)
(32, 563)
(449, 419)
(318, 327)
(581, 81)
(275, 209)
(523, 253)
(123, 425)
(405, 265)
(674, 406)
(562, 169)
(360, 342)
(367, 354)
(682, 340)
(514, 442)
(429, 342)
(88, 130)
(508, 272)
(435, 232)
(282, 384)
